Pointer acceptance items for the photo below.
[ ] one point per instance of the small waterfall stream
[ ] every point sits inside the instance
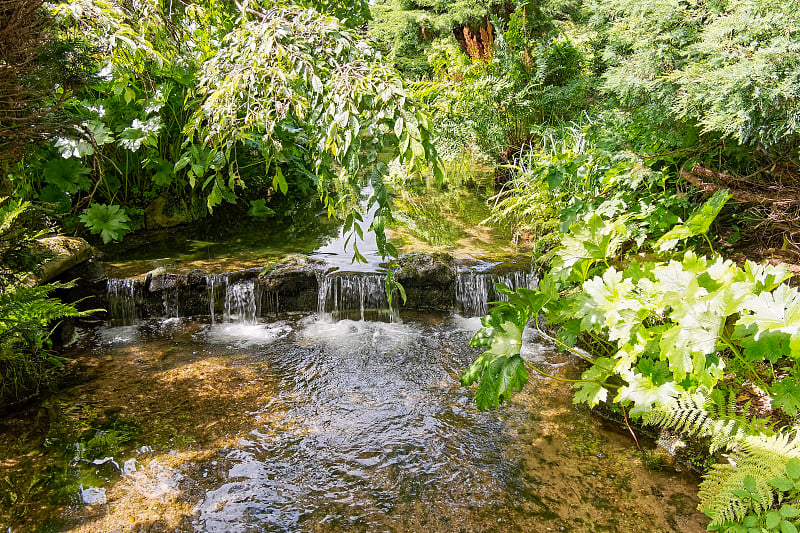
(124, 296)
(475, 290)
(354, 295)
(242, 297)
(242, 302)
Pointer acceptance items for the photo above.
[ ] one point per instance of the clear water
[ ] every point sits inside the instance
(429, 216)
(310, 424)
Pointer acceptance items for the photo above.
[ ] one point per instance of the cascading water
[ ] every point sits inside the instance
(353, 295)
(474, 290)
(338, 295)
(215, 283)
(242, 302)
(172, 302)
(123, 300)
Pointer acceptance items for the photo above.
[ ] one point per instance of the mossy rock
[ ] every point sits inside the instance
(60, 253)
(428, 280)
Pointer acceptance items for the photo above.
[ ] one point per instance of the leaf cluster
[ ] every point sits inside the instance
(728, 66)
(26, 314)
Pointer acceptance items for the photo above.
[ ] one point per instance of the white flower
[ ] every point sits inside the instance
(106, 72)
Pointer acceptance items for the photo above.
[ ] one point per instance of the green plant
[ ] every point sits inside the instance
(330, 131)
(757, 486)
(657, 335)
(726, 66)
(110, 221)
(27, 314)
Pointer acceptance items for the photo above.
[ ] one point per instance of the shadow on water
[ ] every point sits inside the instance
(306, 424)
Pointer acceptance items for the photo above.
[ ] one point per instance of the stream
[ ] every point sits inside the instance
(306, 423)
(207, 402)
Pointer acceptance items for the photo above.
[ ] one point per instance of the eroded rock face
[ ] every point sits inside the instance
(428, 280)
(289, 285)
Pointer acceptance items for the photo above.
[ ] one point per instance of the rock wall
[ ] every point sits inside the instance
(291, 284)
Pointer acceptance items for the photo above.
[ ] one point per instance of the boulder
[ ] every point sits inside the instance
(289, 285)
(428, 280)
(160, 214)
(62, 253)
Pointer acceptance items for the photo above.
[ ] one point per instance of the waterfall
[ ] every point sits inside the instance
(171, 299)
(353, 295)
(242, 302)
(123, 301)
(475, 290)
(215, 283)
(243, 298)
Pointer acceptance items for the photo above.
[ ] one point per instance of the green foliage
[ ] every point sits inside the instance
(20, 226)
(259, 209)
(351, 13)
(764, 466)
(660, 333)
(500, 369)
(697, 224)
(164, 116)
(729, 66)
(501, 106)
(27, 314)
(329, 130)
(573, 176)
(34, 56)
(110, 221)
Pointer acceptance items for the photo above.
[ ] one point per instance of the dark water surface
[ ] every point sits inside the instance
(306, 424)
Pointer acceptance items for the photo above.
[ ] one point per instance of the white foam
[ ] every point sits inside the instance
(119, 335)
(471, 324)
(349, 335)
(242, 335)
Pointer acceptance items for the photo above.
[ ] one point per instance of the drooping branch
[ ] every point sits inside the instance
(743, 189)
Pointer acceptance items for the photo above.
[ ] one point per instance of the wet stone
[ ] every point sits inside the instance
(428, 280)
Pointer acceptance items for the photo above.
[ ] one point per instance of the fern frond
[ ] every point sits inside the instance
(762, 457)
(695, 416)
(755, 452)
(717, 489)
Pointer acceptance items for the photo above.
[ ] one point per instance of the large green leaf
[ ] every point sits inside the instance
(69, 175)
(500, 369)
(698, 224)
(501, 378)
(110, 221)
(591, 240)
(786, 396)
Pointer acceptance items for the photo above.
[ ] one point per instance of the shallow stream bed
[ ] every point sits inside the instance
(307, 424)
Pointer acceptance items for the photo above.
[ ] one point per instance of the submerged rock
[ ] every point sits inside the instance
(93, 495)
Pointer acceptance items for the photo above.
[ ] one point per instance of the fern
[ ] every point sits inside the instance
(756, 452)
(694, 415)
